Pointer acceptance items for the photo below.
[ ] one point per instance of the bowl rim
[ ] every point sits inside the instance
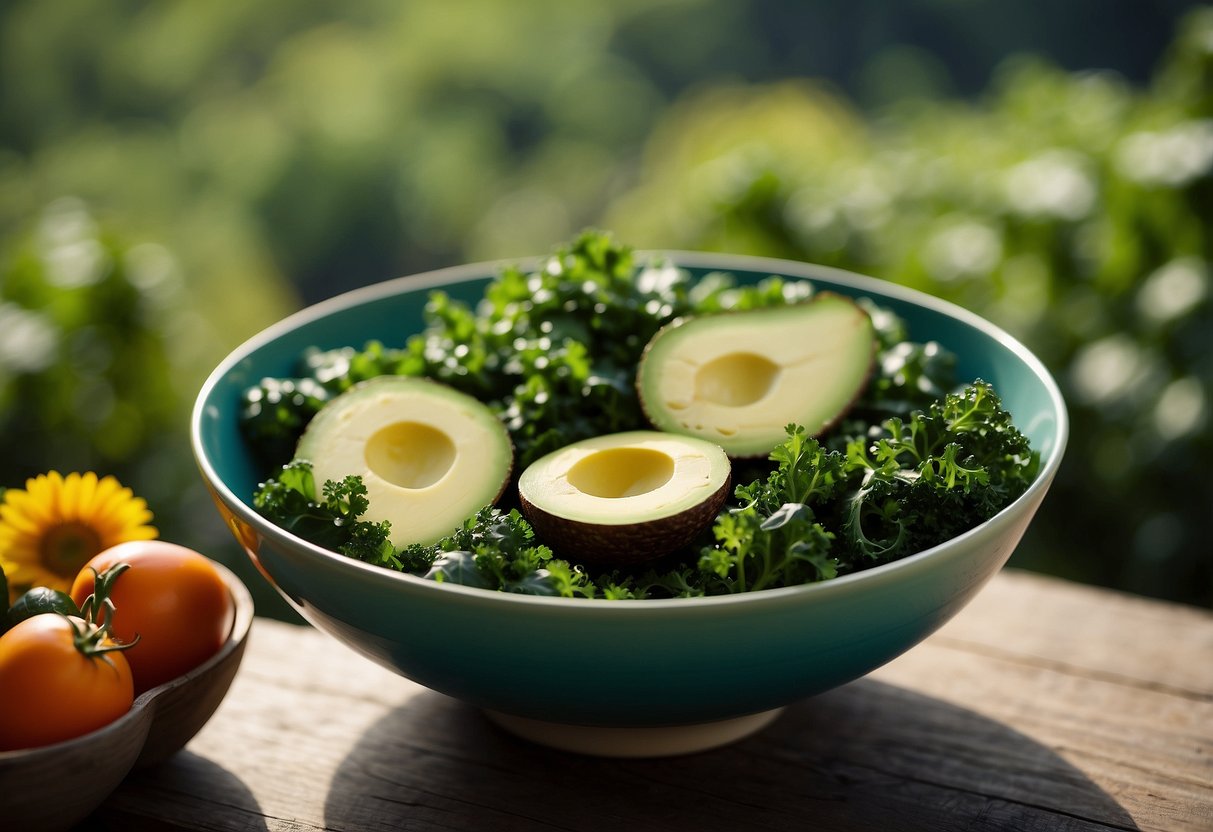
(451, 275)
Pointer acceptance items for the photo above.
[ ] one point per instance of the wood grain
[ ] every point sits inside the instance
(1043, 705)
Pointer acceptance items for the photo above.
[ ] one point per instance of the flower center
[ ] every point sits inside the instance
(66, 547)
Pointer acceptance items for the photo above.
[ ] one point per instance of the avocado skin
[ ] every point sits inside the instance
(624, 544)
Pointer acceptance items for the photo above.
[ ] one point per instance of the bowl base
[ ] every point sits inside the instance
(658, 741)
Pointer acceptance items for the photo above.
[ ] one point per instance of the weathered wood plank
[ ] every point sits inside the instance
(1042, 706)
(1095, 631)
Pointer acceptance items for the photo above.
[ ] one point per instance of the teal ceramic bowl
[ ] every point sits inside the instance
(623, 677)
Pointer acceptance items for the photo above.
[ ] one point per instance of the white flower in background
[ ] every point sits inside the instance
(153, 270)
(964, 249)
(1111, 369)
(868, 205)
(1171, 157)
(817, 219)
(28, 341)
(1173, 290)
(68, 239)
(66, 220)
(1181, 410)
(1055, 184)
(76, 265)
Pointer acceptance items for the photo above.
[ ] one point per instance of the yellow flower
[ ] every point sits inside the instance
(55, 526)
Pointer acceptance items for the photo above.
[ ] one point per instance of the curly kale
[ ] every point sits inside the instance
(492, 550)
(554, 351)
(820, 512)
(274, 412)
(331, 521)
(944, 471)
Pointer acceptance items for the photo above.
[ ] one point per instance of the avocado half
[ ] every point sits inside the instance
(430, 456)
(626, 497)
(739, 378)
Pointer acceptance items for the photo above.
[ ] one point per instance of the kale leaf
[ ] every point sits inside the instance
(331, 521)
(944, 471)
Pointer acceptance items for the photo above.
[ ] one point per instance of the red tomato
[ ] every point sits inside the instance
(172, 598)
(51, 690)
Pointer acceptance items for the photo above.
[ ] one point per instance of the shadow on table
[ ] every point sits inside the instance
(170, 784)
(866, 756)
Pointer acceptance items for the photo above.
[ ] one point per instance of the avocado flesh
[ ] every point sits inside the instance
(430, 456)
(626, 497)
(738, 378)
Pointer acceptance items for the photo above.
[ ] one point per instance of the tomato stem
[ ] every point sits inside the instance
(95, 642)
(94, 636)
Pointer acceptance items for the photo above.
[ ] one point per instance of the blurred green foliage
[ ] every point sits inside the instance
(176, 175)
(83, 358)
(1071, 208)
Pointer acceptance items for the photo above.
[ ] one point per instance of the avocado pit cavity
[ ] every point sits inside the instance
(410, 454)
(736, 379)
(626, 497)
(621, 472)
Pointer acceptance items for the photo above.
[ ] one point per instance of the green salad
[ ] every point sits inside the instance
(911, 459)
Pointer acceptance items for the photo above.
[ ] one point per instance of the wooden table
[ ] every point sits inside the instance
(1044, 705)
